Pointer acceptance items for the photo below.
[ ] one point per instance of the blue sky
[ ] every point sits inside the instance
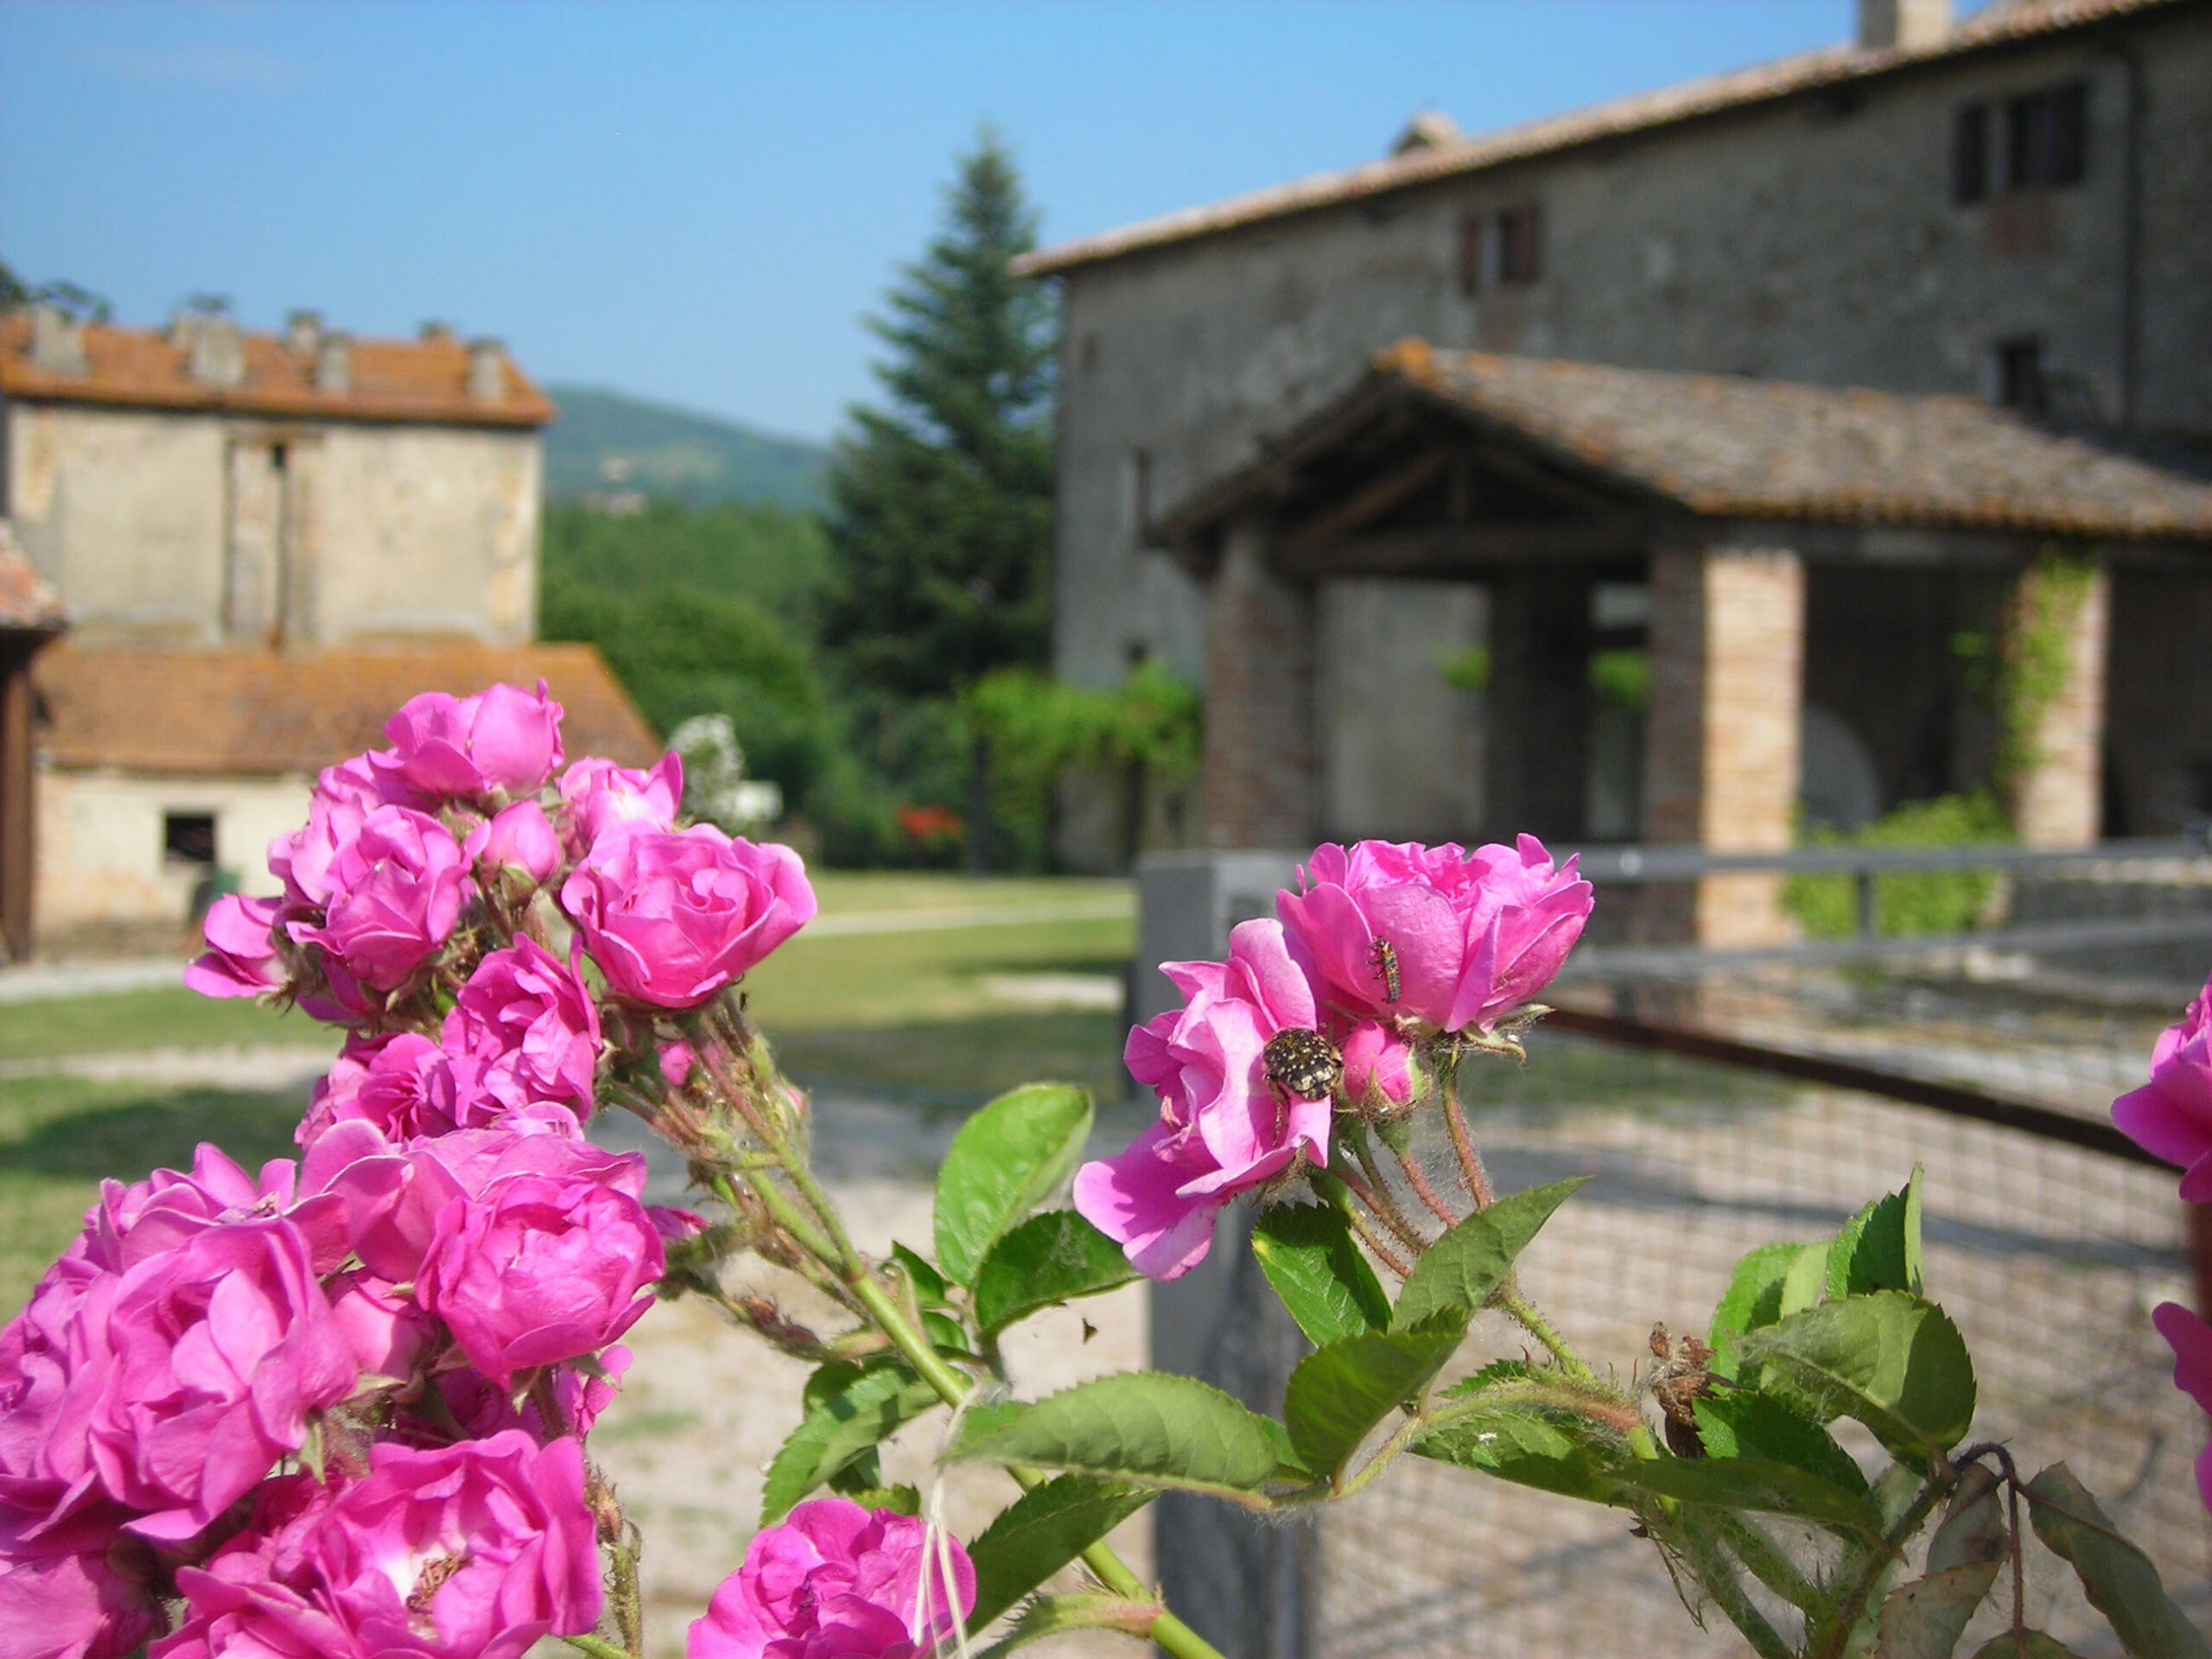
(698, 203)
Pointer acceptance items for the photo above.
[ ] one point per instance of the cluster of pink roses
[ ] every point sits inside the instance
(1382, 948)
(2171, 1117)
(337, 1409)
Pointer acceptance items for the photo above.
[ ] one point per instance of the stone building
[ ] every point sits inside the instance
(265, 543)
(2007, 209)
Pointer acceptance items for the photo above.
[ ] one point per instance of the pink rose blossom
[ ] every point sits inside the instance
(676, 1059)
(2171, 1115)
(503, 738)
(235, 1608)
(1471, 936)
(341, 800)
(598, 798)
(835, 1581)
(52, 1367)
(145, 1218)
(396, 890)
(519, 839)
(483, 1408)
(211, 1356)
(671, 916)
(65, 1603)
(406, 1085)
(530, 1019)
(241, 957)
(387, 1334)
(1378, 1067)
(2191, 1340)
(1224, 1125)
(537, 1269)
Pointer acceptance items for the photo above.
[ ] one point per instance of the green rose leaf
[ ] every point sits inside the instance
(929, 1284)
(846, 1424)
(1005, 1161)
(1752, 1300)
(2121, 1581)
(1341, 1390)
(1879, 1247)
(1146, 1427)
(1755, 1484)
(1890, 1361)
(1924, 1619)
(1739, 1423)
(1530, 1450)
(1047, 1258)
(1042, 1532)
(1463, 1269)
(1309, 1255)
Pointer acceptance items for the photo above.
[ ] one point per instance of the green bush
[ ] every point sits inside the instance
(1934, 901)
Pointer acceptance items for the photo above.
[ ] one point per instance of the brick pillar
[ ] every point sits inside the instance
(2057, 799)
(1721, 766)
(1262, 782)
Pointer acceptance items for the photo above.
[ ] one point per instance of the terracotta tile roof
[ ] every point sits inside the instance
(1721, 446)
(424, 380)
(233, 713)
(1807, 72)
(29, 603)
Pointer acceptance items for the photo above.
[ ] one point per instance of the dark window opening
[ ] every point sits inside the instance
(2045, 138)
(1501, 250)
(188, 838)
(1970, 154)
(2021, 383)
(1470, 256)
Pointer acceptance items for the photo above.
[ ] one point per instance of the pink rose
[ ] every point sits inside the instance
(671, 917)
(387, 1334)
(473, 1551)
(236, 1608)
(1450, 938)
(1224, 1126)
(2191, 1340)
(483, 1408)
(676, 1059)
(406, 1085)
(61, 1603)
(342, 798)
(519, 839)
(52, 1367)
(529, 1018)
(145, 1218)
(539, 1267)
(396, 890)
(2171, 1115)
(1378, 1067)
(503, 739)
(835, 1582)
(211, 1355)
(241, 957)
(598, 798)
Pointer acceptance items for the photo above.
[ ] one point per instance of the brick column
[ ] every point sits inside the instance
(2057, 801)
(1262, 779)
(1721, 766)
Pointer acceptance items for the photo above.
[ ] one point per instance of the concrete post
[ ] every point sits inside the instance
(2057, 797)
(1721, 755)
(1262, 786)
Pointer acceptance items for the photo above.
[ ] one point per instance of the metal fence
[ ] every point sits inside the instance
(1720, 1104)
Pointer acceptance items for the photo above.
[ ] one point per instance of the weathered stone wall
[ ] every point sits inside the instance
(1812, 240)
(181, 529)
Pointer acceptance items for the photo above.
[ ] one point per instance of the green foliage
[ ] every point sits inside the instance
(1047, 1260)
(1144, 1426)
(1551, 1452)
(1041, 1533)
(1465, 670)
(845, 1423)
(1890, 1361)
(1309, 1255)
(1753, 1300)
(1004, 1162)
(1907, 903)
(1462, 1269)
(1759, 1484)
(1879, 1247)
(2120, 1579)
(1621, 675)
(1741, 1423)
(673, 455)
(942, 502)
(2033, 665)
(1341, 1391)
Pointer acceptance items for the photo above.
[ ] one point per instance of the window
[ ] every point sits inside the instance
(1501, 250)
(188, 838)
(2039, 141)
(2016, 366)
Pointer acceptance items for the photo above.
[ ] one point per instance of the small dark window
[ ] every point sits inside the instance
(1140, 492)
(2046, 138)
(2019, 375)
(1470, 255)
(188, 838)
(1520, 245)
(1970, 154)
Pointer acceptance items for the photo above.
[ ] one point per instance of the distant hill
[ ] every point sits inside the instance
(608, 444)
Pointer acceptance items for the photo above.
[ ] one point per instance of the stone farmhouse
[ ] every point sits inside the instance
(1729, 419)
(264, 543)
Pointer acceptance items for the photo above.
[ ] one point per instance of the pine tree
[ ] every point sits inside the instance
(942, 502)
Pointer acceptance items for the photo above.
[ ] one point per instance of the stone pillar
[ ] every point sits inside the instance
(1261, 784)
(1720, 765)
(2060, 619)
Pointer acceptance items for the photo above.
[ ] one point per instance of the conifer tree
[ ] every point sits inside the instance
(942, 500)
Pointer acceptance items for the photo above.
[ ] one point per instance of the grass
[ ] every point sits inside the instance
(136, 1021)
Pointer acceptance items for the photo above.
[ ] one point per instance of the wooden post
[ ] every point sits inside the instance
(16, 784)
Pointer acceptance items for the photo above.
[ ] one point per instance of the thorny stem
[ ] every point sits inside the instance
(1365, 1194)
(597, 1646)
(1878, 1563)
(1382, 1252)
(1525, 1313)
(1422, 1190)
(1377, 1196)
(1471, 1166)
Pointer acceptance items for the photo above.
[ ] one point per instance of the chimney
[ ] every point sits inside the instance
(1903, 24)
(57, 340)
(488, 370)
(1427, 130)
(435, 329)
(302, 332)
(218, 352)
(333, 362)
